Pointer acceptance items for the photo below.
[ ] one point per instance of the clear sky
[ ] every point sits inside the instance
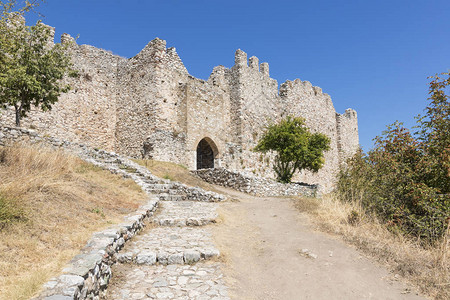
(372, 56)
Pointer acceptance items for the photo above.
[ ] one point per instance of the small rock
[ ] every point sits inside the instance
(160, 283)
(191, 257)
(71, 280)
(147, 258)
(175, 259)
(58, 297)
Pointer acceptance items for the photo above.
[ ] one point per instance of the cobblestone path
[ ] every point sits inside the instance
(174, 258)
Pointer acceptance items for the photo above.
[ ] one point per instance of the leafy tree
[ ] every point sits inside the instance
(295, 146)
(31, 67)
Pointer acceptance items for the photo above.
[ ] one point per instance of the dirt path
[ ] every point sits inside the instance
(273, 253)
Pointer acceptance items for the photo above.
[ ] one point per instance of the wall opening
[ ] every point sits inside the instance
(206, 152)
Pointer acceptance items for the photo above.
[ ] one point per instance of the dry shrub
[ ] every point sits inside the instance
(425, 267)
(56, 202)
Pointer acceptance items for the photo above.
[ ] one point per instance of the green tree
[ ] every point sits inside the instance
(295, 146)
(31, 67)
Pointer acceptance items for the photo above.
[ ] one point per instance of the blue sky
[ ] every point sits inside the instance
(372, 56)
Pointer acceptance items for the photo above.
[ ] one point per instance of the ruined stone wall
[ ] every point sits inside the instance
(347, 128)
(258, 101)
(258, 104)
(138, 109)
(206, 117)
(149, 106)
(163, 112)
(87, 113)
(301, 98)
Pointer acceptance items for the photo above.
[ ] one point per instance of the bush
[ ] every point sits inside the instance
(405, 179)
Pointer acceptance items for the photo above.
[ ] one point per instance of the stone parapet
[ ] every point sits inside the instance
(257, 186)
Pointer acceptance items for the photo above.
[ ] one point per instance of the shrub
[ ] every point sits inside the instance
(405, 179)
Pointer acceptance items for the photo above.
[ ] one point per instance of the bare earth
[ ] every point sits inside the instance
(272, 252)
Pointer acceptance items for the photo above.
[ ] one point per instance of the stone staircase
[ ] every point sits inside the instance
(174, 258)
(164, 250)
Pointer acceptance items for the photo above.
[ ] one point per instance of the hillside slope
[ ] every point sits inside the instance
(50, 204)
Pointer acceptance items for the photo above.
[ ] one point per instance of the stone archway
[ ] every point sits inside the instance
(206, 153)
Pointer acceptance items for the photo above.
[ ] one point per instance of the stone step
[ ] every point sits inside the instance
(172, 197)
(162, 186)
(106, 160)
(170, 245)
(203, 280)
(185, 213)
(170, 192)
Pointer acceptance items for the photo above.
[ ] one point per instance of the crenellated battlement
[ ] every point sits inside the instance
(350, 114)
(254, 63)
(240, 58)
(67, 38)
(297, 86)
(51, 33)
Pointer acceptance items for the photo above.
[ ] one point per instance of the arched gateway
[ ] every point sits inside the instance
(206, 152)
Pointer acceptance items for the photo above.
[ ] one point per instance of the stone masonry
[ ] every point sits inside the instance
(254, 185)
(149, 106)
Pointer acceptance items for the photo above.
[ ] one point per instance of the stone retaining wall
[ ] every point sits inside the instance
(90, 271)
(258, 186)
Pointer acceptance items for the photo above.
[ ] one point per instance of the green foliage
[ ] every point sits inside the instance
(167, 176)
(31, 68)
(405, 179)
(295, 146)
(98, 211)
(9, 212)
(20, 7)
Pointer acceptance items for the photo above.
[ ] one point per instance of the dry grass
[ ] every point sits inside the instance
(175, 172)
(53, 202)
(426, 268)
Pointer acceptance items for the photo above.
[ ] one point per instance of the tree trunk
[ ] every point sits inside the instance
(18, 109)
(17, 115)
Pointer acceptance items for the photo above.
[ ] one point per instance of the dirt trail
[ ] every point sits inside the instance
(262, 241)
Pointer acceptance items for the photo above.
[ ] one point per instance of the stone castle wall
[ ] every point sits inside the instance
(347, 129)
(87, 113)
(149, 106)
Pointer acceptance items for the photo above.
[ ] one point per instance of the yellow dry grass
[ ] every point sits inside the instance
(426, 268)
(57, 202)
(175, 172)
